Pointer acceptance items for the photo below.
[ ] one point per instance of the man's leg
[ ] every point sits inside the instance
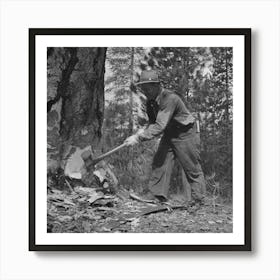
(161, 169)
(187, 151)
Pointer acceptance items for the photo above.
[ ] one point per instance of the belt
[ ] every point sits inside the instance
(183, 126)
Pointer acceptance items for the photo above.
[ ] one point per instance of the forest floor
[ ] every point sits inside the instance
(87, 210)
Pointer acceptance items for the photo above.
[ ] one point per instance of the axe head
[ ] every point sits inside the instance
(87, 158)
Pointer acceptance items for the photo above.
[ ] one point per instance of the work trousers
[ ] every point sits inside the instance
(183, 143)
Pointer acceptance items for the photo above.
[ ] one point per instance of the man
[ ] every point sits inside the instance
(169, 117)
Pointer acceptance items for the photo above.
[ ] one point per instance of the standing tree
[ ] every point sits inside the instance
(124, 114)
(75, 101)
(123, 106)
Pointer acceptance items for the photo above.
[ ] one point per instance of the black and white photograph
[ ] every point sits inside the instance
(140, 139)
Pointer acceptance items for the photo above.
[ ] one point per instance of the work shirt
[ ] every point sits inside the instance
(169, 110)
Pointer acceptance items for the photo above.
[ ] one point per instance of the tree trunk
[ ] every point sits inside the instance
(131, 119)
(227, 102)
(75, 101)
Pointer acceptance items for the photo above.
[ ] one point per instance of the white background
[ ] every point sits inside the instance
(236, 237)
(17, 263)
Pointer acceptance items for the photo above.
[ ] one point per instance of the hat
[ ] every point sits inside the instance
(148, 76)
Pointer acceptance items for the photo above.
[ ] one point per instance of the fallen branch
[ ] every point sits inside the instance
(162, 208)
(135, 197)
(148, 211)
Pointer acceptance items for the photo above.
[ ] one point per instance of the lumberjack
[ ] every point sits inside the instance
(169, 117)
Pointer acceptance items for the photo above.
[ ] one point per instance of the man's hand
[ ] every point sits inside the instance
(131, 140)
(140, 132)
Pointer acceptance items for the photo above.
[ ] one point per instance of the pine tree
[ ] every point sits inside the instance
(75, 103)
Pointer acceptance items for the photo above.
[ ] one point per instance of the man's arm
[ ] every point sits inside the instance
(165, 113)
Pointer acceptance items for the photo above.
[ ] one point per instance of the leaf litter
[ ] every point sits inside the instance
(87, 210)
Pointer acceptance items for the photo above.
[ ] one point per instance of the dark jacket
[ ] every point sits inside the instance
(167, 110)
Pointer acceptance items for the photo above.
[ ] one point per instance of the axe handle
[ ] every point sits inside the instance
(96, 160)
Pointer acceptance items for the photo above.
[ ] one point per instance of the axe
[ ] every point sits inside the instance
(90, 162)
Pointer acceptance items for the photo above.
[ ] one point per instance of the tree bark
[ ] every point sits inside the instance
(227, 86)
(75, 101)
(131, 120)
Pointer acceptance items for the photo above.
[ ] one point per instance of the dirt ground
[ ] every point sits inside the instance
(86, 211)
